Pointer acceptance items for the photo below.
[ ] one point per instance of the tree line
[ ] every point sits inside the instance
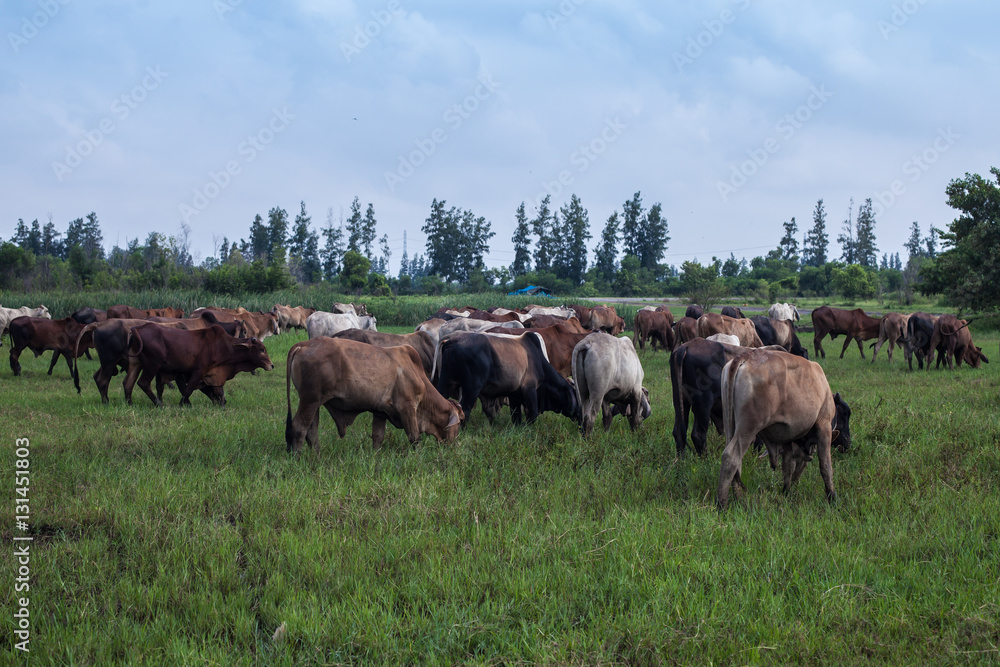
(551, 249)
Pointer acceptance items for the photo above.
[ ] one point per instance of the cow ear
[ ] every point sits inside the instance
(834, 435)
(455, 419)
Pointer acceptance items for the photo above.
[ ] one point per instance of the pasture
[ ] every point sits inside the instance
(189, 535)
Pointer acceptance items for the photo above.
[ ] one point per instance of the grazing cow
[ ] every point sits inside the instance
(258, 324)
(732, 311)
(854, 324)
(292, 318)
(358, 309)
(442, 331)
(111, 344)
(582, 313)
(8, 315)
(557, 312)
(349, 377)
(607, 372)
(420, 341)
(891, 329)
(192, 358)
(559, 339)
(779, 332)
(39, 334)
(787, 401)
(541, 321)
(497, 367)
(604, 318)
(521, 315)
(88, 315)
(784, 311)
(128, 312)
(493, 317)
(658, 325)
(951, 337)
(694, 311)
(728, 339)
(685, 330)
(322, 323)
(919, 332)
(713, 323)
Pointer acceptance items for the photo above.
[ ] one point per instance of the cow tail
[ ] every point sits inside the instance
(288, 395)
(437, 360)
(578, 359)
(729, 396)
(76, 353)
(682, 353)
(128, 343)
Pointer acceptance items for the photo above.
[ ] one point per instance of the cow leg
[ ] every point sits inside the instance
(847, 344)
(824, 433)
(529, 400)
(680, 427)
(732, 463)
(102, 380)
(145, 380)
(878, 346)
(818, 344)
(606, 415)
(55, 358)
(303, 426)
(378, 430)
(491, 408)
(128, 384)
(702, 419)
(861, 347)
(15, 365)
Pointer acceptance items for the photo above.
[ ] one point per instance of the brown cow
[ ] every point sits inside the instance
(475, 314)
(541, 321)
(891, 329)
(952, 338)
(421, 341)
(604, 318)
(292, 318)
(128, 312)
(685, 330)
(559, 339)
(658, 325)
(39, 334)
(854, 324)
(787, 401)
(694, 311)
(348, 378)
(209, 356)
(582, 313)
(744, 329)
(258, 324)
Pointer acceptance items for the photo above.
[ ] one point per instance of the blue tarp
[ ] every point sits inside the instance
(531, 290)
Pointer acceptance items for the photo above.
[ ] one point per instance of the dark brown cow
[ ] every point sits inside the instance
(685, 330)
(891, 329)
(129, 312)
(744, 329)
(258, 324)
(541, 321)
(39, 334)
(421, 341)
(348, 378)
(779, 332)
(88, 315)
(787, 401)
(658, 325)
(694, 311)
(919, 331)
(732, 311)
(952, 338)
(854, 324)
(604, 318)
(209, 356)
(559, 339)
(493, 317)
(292, 318)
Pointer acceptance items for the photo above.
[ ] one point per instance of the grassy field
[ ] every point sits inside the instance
(188, 535)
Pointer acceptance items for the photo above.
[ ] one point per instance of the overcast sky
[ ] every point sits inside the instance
(735, 114)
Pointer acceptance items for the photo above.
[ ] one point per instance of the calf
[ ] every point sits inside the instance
(348, 378)
(607, 372)
(685, 330)
(892, 328)
(604, 318)
(787, 401)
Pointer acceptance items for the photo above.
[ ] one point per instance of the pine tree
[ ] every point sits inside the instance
(303, 249)
(441, 231)
(606, 254)
(931, 242)
(368, 233)
(354, 227)
(865, 248)
(521, 241)
(788, 247)
(816, 242)
(542, 228)
(653, 237)
(20, 237)
(474, 237)
(51, 245)
(385, 254)
(404, 261)
(847, 238)
(632, 240)
(259, 244)
(914, 246)
(575, 234)
(333, 248)
(277, 232)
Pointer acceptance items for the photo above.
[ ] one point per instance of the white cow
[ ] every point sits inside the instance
(7, 315)
(784, 311)
(564, 313)
(607, 371)
(729, 339)
(438, 329)
(322, 323)
(520, 316)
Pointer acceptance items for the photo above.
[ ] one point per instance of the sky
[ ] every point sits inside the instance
(736, 115)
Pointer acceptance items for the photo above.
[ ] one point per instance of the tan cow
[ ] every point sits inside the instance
(348, 378)
(951, 339)
(292, 318)
(744, 329)
(787, 401)
(892, 328)
(658, 325)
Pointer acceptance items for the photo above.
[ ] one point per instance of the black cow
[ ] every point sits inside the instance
(694, 311)
(493, 367)
(779, 332)
(919, 332)
(733, 311)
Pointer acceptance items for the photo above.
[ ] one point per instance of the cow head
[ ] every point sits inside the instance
(439, 418)
(841, 423)
(257, 353)
(974, 356)
(43, 311)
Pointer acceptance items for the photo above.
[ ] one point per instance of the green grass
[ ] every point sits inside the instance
(188, 535)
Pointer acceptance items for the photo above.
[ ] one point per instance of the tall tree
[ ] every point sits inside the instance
(606, 254)
(474, 243)
(931, 242)
(914, 245)
(866, 250)
(541, 225)
(385, 254)
(277, 232)
(789, 244)
(846, 239)
(816, 242)
(369, 233)
(653, 237)
(521, 241)
(574, 236)
(632, 236)
(355, 225)
(51, 244)
(259, 245)
(303, 249)
(333, 247)
(441, 231)
(404, 261)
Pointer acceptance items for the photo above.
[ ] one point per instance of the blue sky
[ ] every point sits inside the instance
(735, 114)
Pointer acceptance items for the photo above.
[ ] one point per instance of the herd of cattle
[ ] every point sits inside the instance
(750, 377)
